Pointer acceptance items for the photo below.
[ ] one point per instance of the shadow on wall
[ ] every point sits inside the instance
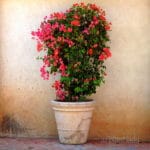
(9, 125)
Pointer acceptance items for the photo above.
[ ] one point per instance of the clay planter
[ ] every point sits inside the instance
(73, 120)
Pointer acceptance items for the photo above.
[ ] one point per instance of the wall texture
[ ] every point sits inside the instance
(123, 103)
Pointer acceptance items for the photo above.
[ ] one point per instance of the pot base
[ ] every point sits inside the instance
(73, 137)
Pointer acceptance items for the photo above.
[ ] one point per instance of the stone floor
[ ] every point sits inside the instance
(53, 144)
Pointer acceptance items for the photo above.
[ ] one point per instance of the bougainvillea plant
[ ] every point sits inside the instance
(75, 45)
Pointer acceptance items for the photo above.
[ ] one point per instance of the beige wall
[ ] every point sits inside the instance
(123, 106)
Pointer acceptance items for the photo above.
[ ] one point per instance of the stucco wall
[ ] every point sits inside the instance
(123, 106)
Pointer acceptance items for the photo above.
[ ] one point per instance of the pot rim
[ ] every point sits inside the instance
(89, 101)
(73, 106)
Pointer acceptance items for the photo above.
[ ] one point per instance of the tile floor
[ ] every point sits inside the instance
(53, 144)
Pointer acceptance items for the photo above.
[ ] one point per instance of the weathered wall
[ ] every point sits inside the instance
(123, 106)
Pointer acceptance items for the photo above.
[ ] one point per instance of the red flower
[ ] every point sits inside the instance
(62, 68)
(44, 73)
(76, 4)
(56, 52)
(90, 51)
(95, 45)
(57, 85)
(76, 17)
(69, 30)
(107, 52)
(102, 56)
(75, 23)
(59, 92)
(39, 46)
(102, 17)
(107, 27)
(94, 7)
(59, 15)
(82, 4)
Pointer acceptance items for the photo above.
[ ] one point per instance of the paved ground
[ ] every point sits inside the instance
(53, 144)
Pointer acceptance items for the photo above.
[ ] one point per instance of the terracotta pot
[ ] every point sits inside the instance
(73, 120)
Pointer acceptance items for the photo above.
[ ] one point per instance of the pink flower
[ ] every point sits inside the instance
(44, 32)
(44, 73)
(55, 26)
(59, 39)
(46, 61)
(51, 45)
(60, 94)
(39, 46)
(45, 17)
(69, 30)
(94, 18)
(62, 68)
(92, 25)
(86, 31)
(95, 45)
(33, 33)
(62, 28)
(55, 63)
(96, 22)
(69, 42)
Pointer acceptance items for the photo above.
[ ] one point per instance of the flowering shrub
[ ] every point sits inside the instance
(75, 45)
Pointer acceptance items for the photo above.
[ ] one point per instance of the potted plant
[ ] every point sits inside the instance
(74, 45)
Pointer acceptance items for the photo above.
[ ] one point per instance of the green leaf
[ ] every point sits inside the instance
(65, 79)
(97, 82)
(78, 90)
(53, 69)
